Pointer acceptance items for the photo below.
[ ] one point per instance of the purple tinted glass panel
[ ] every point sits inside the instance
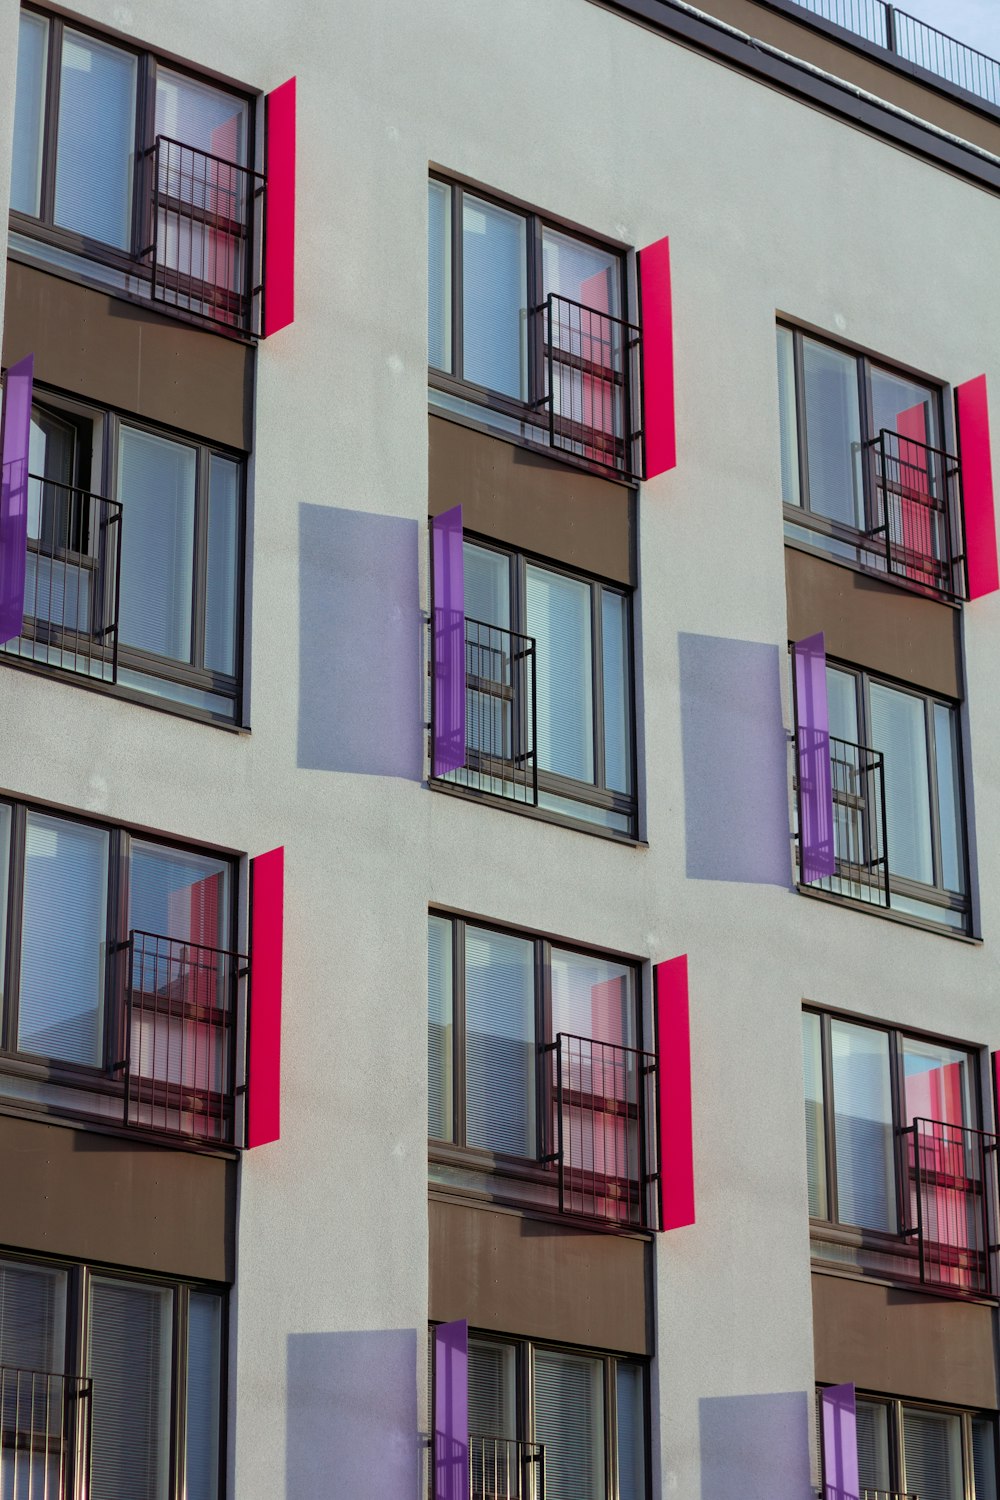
(840, 1443)
(451, 1411)
(448, 593)
(14, 496)
(816, 853)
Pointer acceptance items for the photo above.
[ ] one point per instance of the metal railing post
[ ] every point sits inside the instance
(890, 27)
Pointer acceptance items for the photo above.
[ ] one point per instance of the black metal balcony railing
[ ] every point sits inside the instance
(915, 42)
(181, 1017)
(860, 839)
(603, 1130)
(951, 1205)
(592, 384)
(71, 581)
(206, 235)
(505, 1469)
(45, 1430)
(885, 1495)
(501, 757)
(915, 513)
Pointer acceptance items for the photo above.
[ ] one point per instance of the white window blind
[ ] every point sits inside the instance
(29, 113)
(94, 166)
(899, 732)
(873, 1445)
(204, 1381)
(439, 276)
(492, 1389)
(559, 617)
(863, 1126)
(569, 1420)
(500, 1042)
(440, 1033)
(833, 422)
(617, 725)
(129, 1353)
(156, 485)
(592, 997)
(32, 1317)
(812, 1068)
(495, 297)
(932, 1443)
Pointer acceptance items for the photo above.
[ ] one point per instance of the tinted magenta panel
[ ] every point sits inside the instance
(451, 1411)
(279, 241)
(14, 496)
(812, 722)
(972, 408)
(267, 912)
(658, 420)
(840, 1443)
(448, 630)
(673, 1094)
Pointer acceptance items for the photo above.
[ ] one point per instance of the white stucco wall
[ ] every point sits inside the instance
(770, 206)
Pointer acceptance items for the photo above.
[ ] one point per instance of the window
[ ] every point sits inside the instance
(894, 1147)
(562, 709)
(129, 163)
(899, 822)
(588, 1412)
(932, 1452)
(143, 588)
(117, 975)
(534, 1057)
(142, 1382)
(527, 330)
(864, 471)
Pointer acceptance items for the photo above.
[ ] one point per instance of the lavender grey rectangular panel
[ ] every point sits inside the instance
(451, 1411)
(812, 722)
(14, 496)
(448, 629)
(840, 1443)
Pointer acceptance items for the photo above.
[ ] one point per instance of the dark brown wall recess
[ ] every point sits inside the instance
(98, 1198)
(113, 352)
(903, 1343)
(525, 499)
(514, 1274)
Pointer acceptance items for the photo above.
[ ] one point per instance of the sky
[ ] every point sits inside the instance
(974, 21)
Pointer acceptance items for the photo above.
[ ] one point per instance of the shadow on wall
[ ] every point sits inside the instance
(361, 644)
(735, 761)
(755, 1447)
(352, 1416)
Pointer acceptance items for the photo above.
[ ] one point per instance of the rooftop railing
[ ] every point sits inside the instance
(915, 42)
(951, 1206)
(181, 1027)
(592, 384)
(206, 226)
(71, 583)
(915, 507)
(45, 1428)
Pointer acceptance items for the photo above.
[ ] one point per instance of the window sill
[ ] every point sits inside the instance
(886, 914)
(540, 814)
(123, 694)
(821, 1230)
(64, 1119)
(892, 580)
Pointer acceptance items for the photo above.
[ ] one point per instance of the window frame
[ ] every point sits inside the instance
(79, 1276)
(525, 1348)
(553, 783)
(896, 1406)
(452, 381)
(542, 946)
(103, 1078)
(43, 227)
(897, 1037)
(107, 424)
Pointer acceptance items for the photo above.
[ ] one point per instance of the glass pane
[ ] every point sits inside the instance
(439, 276)
(559, 619)
(949, 798)
(593, 997)
(500, 1042)
(487, 585)
(873, 1445)
(866, 1179)
(631, 1432)
(156, 485)
(94, 163)
(984, 1462)
(904, 406)
(833, 433)
(812, 1066)
(932, 1443)
(129, 1354)
(842, 692)
(32, 1317)
(492, 1389)
(223, 554)
(938, 1083)
(178, 894)
(34, 1399)
(583, 273)
(204, 1388)
(494, 297)
(788, 433)
(899, 731)
(63, 937)
(440, 1035)
(29, 114)
(569, 1420)
(617, 718)
(200, 116)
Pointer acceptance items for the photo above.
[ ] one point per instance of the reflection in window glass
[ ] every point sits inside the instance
(937, 1083)
(492, 1389)
(899, 732)
(559, 617)
(487, 585)
(932, 1443)
(201, 116)
(94, 163)
(873, 1445)
(617, 728)
(440, 1033)
(179, 895)
(156, 484)
(592, 997)
(790, 488)
(500, 1042)
(631, 1432)
(984, 1462)
(569, 1420)
(29, 114)
(812, 1061)
(833, 433)
(204, 1383)
(223, 551)
(5, 820)
(949, 798)
(32, 1317)
(903, 406)
(63, 941)
(842, 694)
(439, 276)
(129, 1347)
(863, 1131)
(494, 297)
(581, 272)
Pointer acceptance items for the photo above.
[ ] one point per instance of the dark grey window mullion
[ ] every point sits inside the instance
(118, 958)
(50, 130)
(829, 1121)
(457, 297)
(545, 1065)
(535, 331)
(178, 1395)
(611, 1428)
(868, 433)
(199, 569)
(597, 678)
(897, 1462)
(897, 1091)
(459, 1039)
(15, 913)
(145, 116)
(798, 366)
